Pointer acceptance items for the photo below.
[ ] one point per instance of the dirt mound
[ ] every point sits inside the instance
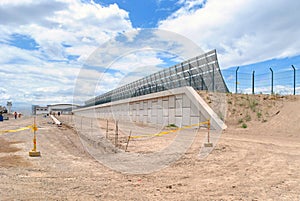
(285, 121)
(249, 111)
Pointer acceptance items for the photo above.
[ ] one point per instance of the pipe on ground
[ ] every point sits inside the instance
(56, 121)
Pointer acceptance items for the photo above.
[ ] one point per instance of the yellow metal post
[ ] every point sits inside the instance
(208, 144)
(34, 152)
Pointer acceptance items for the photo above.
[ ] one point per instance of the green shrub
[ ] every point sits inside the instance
(259, 115)
(241, 104)
(244, 125)
(252, 105)
(172, 125)
(248, 117)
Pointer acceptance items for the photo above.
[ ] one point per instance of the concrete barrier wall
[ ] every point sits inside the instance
(181, 106)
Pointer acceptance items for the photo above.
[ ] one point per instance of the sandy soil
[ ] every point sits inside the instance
(260, 162)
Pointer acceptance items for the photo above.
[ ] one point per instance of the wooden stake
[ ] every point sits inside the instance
(208, 128)
(117, 133)
(107, 129)
(128, 141)
(91, 125)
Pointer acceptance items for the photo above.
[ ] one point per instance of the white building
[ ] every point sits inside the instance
(62, 108)
(55, 108)
(41, 110)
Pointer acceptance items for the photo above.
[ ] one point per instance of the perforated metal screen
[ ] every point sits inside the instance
(201, 72)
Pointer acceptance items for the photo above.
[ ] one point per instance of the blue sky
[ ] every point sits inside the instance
(45, 45)
(146, 14)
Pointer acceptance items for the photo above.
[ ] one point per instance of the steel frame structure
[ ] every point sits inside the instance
(201, 73)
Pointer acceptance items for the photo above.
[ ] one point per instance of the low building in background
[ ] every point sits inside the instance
(61, 108)
(41, 110)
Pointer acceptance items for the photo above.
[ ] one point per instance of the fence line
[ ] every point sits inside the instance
(201, 73)
(286, 82)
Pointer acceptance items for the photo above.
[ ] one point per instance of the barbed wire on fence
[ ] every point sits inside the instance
(284, 82)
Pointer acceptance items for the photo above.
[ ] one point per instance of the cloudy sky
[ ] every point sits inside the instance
(45, 45)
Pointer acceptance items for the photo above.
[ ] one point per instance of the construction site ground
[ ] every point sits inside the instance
(259, 161)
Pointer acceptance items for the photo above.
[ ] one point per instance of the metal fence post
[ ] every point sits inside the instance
(190, 76)
(272, 81)
(236, 79)
(294, 79)
(253, 82)
(190, 79)
(213, 82)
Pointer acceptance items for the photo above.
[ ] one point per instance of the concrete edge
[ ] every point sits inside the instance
(136, 99)
(195, 98)
(208, 113)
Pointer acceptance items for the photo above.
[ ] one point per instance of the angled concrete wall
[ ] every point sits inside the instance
(181, 106)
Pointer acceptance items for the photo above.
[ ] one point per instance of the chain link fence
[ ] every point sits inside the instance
(270, 81)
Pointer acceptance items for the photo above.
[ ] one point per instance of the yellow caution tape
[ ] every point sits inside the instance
(167, 132)
(33, 127)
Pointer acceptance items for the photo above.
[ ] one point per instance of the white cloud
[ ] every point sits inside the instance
(131, 61)
(187, 7)
(29, 12)
(243, 32)
(81, 26)
(9, 54)
(61, 28)
(278, 89)
(33, 83)
(144, 49)
(3, 93)
(14, 2)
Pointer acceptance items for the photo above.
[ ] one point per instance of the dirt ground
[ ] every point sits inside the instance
(260, 162)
